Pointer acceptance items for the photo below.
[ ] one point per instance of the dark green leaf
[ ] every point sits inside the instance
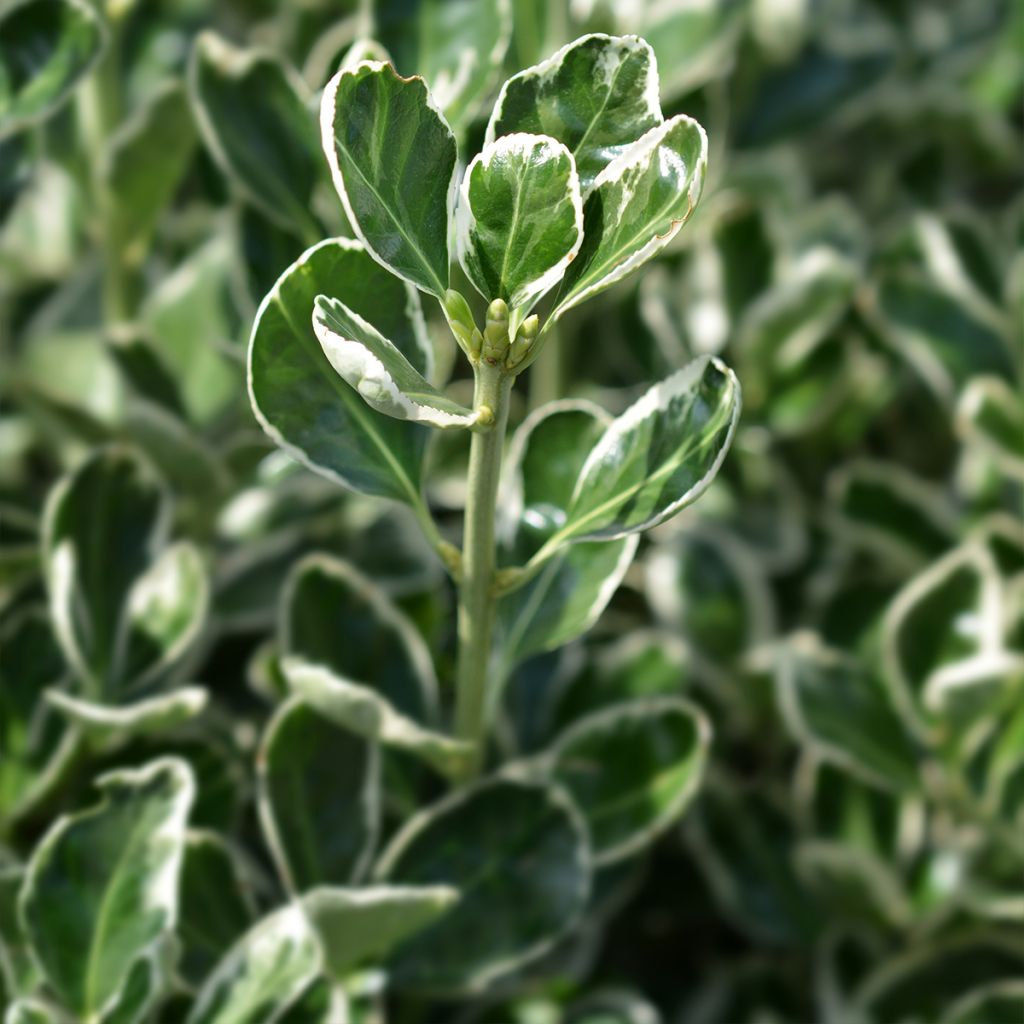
(298, 396)
(319, 798)
(632, 769)
(101, 893)
(519, 857)
(46, 47)
(393, 160)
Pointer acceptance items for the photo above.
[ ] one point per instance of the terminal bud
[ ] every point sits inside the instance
(496, 342)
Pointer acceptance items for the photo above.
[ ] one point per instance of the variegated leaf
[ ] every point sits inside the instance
(378, 371)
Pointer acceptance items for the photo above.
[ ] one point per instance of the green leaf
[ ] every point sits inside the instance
(990, 416)
(637, 205)
(597, 95)
(103, 527)
(263, 974)
(744, 843)
(945, 338)
(46, 48)
(141, 173)
(456, 45)
(30, 731)
(165, 614)
(334, 616)
(103, 723)
(360, 926)
(520, 219)
(319, 798)
(393, 160)
(565, 599)
(658, 457)
(297, 395)
(843, 713)
(519, 856)
(363, 711)
(632, 769)
(711, 589)
(254, 115)
(378, 372)
(216, 906)
(942, 637)
(101, 892)
(127, 615)
(854, 885)
(888, 511)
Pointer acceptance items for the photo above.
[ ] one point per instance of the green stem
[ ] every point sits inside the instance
(476, 590)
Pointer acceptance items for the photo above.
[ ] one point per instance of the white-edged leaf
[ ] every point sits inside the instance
(103, 526)
(332, 615)
(263, 974)
(319, 798)
(632, 769)
(637, 205)
(393, 160)
(456, 45)
(106, 722)
(832, 704)
(656, 458)
(46, 48)
(942, 636)
(363, 711)
(597, 95)
(570, 592)
(519, 222)
(361, 926)
(378, 371)
(990, 415)
(518, 853)
(100, 896)
(298, 397)
(254, 115)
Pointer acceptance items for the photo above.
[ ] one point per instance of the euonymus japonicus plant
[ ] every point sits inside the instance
(580, 181)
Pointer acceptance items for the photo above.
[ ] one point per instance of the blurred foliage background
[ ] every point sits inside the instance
(847, 602)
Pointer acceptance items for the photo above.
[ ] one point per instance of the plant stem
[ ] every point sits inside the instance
(476, 591)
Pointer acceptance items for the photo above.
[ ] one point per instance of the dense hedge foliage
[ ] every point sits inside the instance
(780, 779)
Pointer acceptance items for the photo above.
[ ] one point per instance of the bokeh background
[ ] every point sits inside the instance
(847, 601)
